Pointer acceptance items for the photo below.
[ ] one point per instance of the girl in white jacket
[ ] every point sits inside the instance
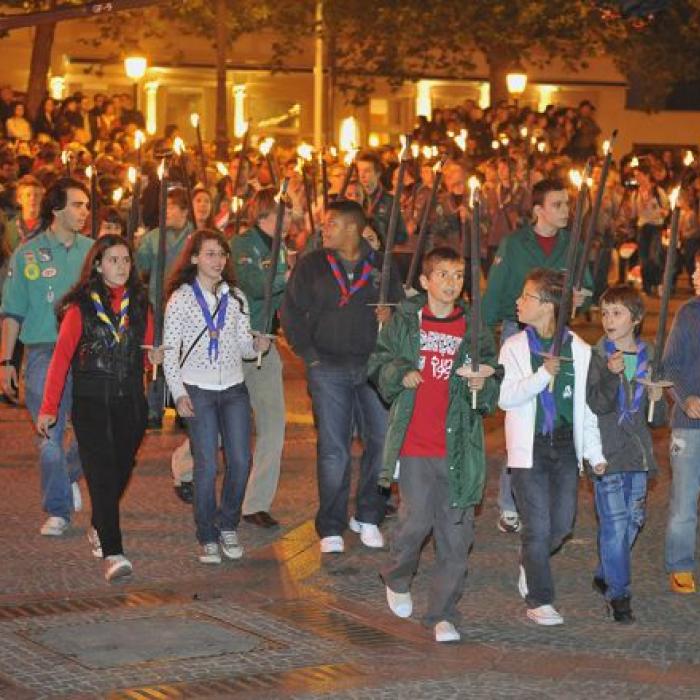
(207, 323)
(549, 432)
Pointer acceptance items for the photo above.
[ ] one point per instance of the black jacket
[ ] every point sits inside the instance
(317, 326)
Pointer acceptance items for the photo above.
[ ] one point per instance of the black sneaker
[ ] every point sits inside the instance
(622, 610)
(185, 491)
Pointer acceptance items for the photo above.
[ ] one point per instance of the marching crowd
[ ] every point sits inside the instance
(318, 251)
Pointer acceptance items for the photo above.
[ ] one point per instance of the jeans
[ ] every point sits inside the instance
(505, 488)
(620, 503)
(334, 393)
(109, 432)
(683, 505)
(425, 507)
(267, 399)
(225, 413)
(60, 465)
(546, 500)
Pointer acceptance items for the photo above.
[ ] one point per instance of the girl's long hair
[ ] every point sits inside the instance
(91, 281)
(209, 223)
(185, 271)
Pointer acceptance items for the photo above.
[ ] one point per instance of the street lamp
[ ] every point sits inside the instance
(135, 68)
(516, 83)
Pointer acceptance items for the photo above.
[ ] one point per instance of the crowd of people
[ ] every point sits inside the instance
(272, 245)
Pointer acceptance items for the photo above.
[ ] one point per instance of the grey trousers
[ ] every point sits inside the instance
(424, 507)
(266, 392)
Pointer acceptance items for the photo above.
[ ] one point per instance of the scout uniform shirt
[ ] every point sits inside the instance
(41, 272)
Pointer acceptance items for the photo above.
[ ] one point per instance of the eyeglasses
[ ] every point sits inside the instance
(525, 295)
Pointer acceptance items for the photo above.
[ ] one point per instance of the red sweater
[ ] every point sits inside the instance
(440, 339)
(68, 337)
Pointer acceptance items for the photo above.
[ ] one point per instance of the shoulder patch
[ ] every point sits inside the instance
(245, 260)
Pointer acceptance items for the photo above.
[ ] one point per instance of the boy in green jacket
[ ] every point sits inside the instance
(434, 436)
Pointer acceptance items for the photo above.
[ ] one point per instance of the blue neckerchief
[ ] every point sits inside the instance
(545, 397)
(625, 409)
(213, 328)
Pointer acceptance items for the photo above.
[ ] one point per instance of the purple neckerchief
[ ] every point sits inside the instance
(213, 328)
(625, 409)
(545, 397)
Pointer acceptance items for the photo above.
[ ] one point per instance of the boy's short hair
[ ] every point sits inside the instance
(436, 255)
(370, 157)
(627, 296)
(541, 189)
(351, 211)
(178, 197)
(550, 284)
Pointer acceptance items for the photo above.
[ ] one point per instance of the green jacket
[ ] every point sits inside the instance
(396, 354)
(251, 258)
(519, 254)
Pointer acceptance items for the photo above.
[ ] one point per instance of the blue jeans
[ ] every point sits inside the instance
(505, 488)
(334, 393)
(683, 505)
(225, 413)
(60, 465)
(620, 503)
(546, 500)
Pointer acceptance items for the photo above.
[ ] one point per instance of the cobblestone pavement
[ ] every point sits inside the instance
(313, 627)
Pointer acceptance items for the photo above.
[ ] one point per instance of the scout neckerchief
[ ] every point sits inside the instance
(357, 284)
(374, 201)
(545, 397)
(214, 327)
(625, 409)
(123, 314)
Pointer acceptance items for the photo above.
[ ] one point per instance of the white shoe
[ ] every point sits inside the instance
(545, 615)
(370, 536)
(95, 544)
(54, 526)
(522, 583)
(209, 553)
(230, 546)
(446, 632)
(77, 497)
(117, 566)
(333, 544)
(509, 521)
(401, 604)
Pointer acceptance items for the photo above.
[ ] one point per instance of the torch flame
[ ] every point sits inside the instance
(673, 197)
(89, 172)
(434, 151)
(437, 167)
(689, 159)
(474, 185)
(541, 146)
(194, 119)
(349, 157)
(461, 139)
(404, 143)
(305, 151)
(576, 178)
(117, 195)
(333, 151)
(606, 147)
(589, 183)
(349, 134)
(161, 169)
(504, 139)
(131, 175)
(236, 204)
(222, 169)
(139, 138)
(634, 163)
(178, 146)
(523, 131)
(495, 144)
(415, 150)
(427, 152)
(266, 145)
(65, 157)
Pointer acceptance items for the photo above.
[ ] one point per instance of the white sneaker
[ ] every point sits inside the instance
(230, 545)
(54, 526)
(522, 583)
(509, 521)
(446, 632)
(401, 604)
(370, 536)
(117, 566)
(95, 544)
(333, 544)
(209, 553)
(77, 497)
(545, 615)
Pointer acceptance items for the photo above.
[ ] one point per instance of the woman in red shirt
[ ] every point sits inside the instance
(104, 323)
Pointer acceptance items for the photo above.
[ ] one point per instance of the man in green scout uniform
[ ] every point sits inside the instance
(41, 271)
(251, 257)
(178, 230)
(543, 243)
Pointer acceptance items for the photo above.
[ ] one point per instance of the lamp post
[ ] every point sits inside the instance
(516, 82)
(135, 68)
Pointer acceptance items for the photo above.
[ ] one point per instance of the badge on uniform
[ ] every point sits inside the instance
(244, 260)
(45, 255)
(266, 264)
(49, 272)
(29, 257)
(32, 272)
(50, 296)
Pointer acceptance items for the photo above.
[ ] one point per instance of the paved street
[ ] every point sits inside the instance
(285, 623)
